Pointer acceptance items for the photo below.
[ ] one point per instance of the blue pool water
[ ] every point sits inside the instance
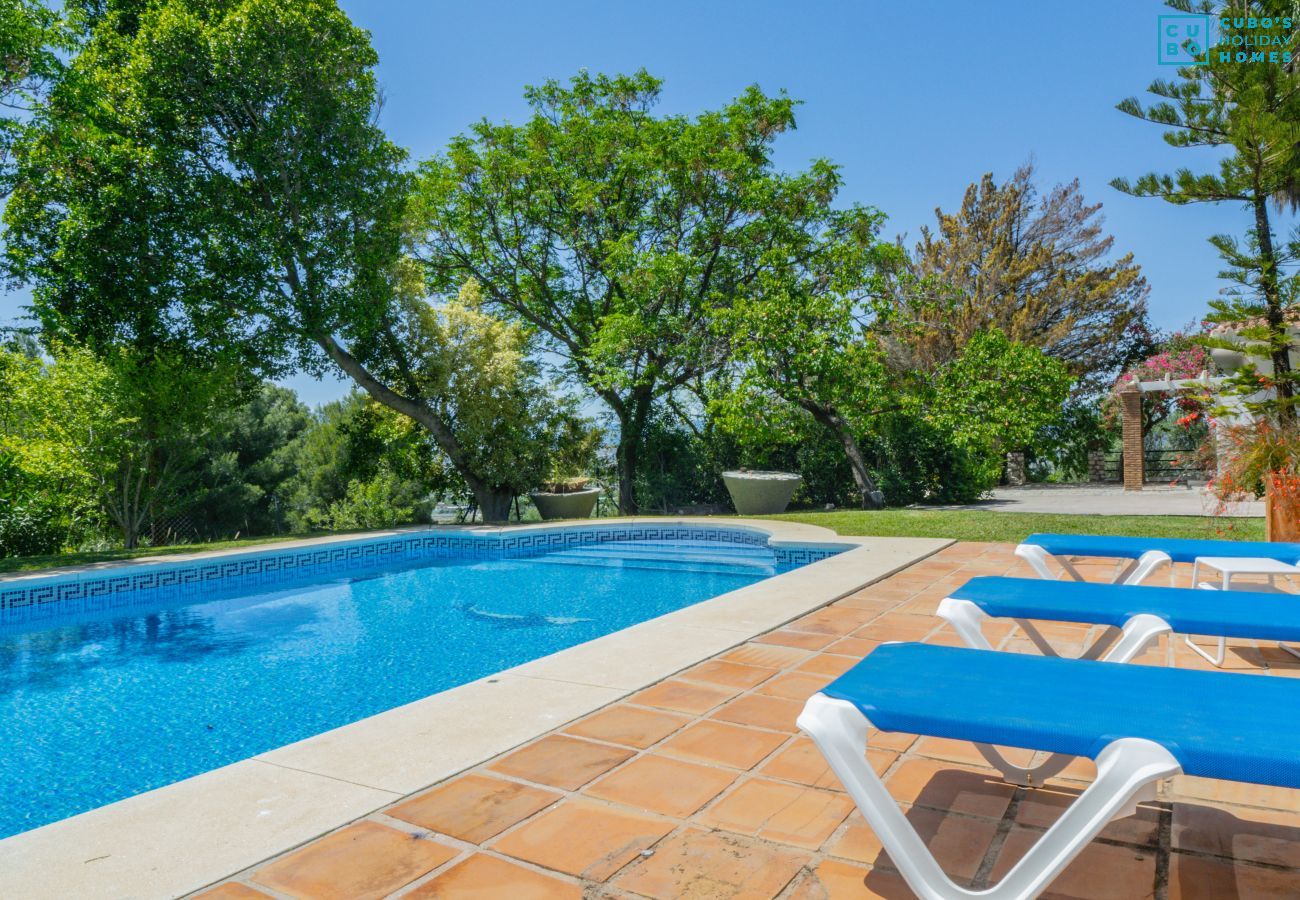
(97, 708)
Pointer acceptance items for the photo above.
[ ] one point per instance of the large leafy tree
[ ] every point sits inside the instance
(209, 175)
(807, 336)
(97, 433)
(247, 464)
(997, 396)
(1038, 268)
(31, 34)
(1249, 111)
(617, 232)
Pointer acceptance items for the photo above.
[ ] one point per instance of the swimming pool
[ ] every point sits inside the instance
(115, 683)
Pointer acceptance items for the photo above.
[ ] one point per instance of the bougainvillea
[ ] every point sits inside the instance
(1180, 358)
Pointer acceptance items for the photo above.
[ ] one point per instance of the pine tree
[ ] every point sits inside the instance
(1250, 111)
(1037, 268)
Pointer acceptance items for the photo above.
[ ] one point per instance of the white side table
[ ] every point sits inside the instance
(1231, 566)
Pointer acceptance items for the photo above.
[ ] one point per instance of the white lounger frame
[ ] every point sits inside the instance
(1135, 572)
(1128, 772)
(1114, 645)
(1124, 643)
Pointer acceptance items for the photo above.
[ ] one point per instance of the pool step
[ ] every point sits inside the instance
(674, 564)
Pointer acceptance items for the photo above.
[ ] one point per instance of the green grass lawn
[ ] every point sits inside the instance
(980, 525)
(25, 563)
(959, 524)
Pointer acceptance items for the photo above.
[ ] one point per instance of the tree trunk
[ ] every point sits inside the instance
(631, 421)
(493, 501)
(628, 457)
(1273, 299)
(835, 423)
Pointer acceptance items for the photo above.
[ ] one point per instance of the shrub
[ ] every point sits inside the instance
(368, 505)
(30, 529)
(30, 523)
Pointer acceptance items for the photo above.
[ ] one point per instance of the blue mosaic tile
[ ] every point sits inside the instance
(41, 598)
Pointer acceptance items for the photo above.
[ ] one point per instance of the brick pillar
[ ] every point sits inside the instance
(1015, 469)
(1096, 466)
(1130, 399)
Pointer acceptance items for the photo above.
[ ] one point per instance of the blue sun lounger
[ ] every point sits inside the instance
(1140, 723)
(1146, 555)
(1135, 615)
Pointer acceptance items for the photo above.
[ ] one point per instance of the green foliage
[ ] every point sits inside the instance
(917, 461)
(241, 483)
(116, 436)
(1249, 112)
(1061, 449)
(802, 337)
(1037, 267)
(375, 503)
(31, 36)
(998, 396)
(679, 467)
(617, 232)
(30, 521)
(512, 427)
(355, 441)
(208, 174)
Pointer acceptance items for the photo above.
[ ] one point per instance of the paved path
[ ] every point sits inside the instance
(1110, 500)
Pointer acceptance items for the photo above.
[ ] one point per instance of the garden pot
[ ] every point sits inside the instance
(1232, 360)
(570, 505)
(760, 493)
(1281, 515)
(1228, 360)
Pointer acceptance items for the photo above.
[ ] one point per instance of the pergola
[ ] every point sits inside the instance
(1130, 397)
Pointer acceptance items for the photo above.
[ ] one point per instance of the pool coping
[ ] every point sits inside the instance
(182, 837)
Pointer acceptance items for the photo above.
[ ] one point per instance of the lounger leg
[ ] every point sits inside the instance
(1137, 634)
(1040, 561)
(1031, 777)
(1217, 658)
(1127, 773)
(1144, 566)
(967, 619)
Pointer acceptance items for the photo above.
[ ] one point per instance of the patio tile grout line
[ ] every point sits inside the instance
(1164, 853)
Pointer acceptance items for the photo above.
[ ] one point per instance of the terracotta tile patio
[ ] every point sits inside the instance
(701, 787)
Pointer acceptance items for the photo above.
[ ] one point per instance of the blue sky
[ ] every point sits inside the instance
(913, 102)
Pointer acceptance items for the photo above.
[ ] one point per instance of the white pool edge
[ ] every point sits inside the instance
(184, 836)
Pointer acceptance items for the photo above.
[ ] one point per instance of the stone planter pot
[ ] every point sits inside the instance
(760, 493)
(573, 505)
(1228, 360)
(1232, 360)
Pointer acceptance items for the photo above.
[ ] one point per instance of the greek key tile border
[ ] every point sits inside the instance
(195, 581)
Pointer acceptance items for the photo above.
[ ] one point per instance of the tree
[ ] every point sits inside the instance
(1249, 110)
(30, 36)
(616, 233)
(356, 441)
(1036, 268)
(803, 336)
(209, 175)
(483, 381)
(121, 432)
(247, 463)
(997, 396)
